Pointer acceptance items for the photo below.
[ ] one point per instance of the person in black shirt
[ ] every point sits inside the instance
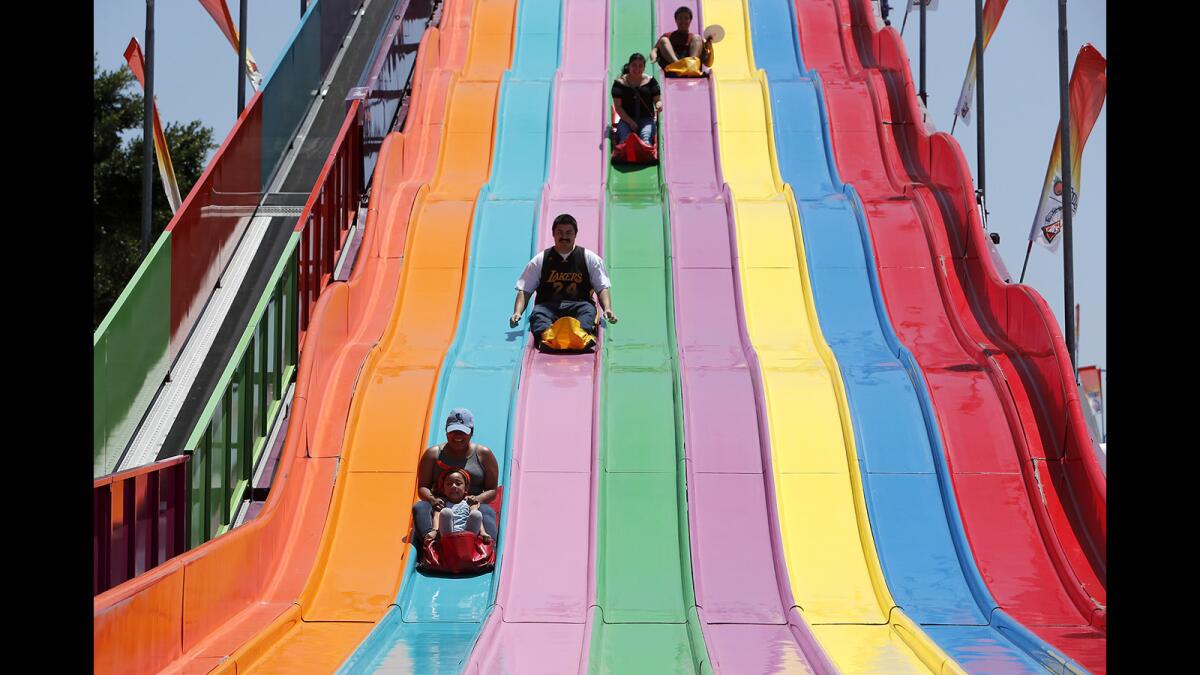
(637, 98)
(565, 277)
(679, 43)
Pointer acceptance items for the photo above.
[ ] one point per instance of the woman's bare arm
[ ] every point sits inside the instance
(425, 478)
(491, 476)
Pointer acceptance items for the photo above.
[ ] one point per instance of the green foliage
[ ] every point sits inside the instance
(117, 181)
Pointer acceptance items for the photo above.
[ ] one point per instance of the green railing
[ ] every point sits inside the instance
(129, 357)
(231, 435)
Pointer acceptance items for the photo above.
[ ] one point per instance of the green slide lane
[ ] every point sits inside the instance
(647, 620)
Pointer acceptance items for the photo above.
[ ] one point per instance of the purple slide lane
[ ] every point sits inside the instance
(743, 596)
(545, 602)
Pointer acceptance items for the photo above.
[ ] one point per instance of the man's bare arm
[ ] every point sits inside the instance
(518, 308)
(606, 305)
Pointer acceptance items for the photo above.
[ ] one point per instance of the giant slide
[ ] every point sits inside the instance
(199, 610)
(542, 619)
(435, 619)
(923, 549)
(806, 447)
(835, 575)
(1028, 486)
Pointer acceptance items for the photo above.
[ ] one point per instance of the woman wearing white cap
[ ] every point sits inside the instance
(457, 453)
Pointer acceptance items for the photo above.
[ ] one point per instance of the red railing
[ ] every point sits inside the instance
(206, 229)
(139, 520)
(325, 220)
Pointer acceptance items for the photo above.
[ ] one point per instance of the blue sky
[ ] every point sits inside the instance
(196, 70)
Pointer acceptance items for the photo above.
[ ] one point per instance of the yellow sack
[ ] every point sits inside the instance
(688, 66)
(567, 334)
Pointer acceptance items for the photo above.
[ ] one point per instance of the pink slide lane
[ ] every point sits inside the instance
(743, 595)
(545, 601)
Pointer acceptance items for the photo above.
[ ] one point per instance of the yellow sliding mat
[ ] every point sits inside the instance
(362, 552)
(835, 576)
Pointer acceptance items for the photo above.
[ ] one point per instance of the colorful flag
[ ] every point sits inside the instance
(220, 13)
(166, 170)
(992, 9)
(1089, 377)
(1087, 89)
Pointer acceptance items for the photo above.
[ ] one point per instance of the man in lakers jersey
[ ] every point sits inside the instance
(564, 277)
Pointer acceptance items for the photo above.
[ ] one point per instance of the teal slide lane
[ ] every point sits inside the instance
(435, 621)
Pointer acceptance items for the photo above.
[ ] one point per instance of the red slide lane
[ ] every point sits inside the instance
(1030, 490)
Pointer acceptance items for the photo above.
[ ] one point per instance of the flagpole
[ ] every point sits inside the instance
(1064, 131)
(241, 92)
(148, 132)
(922, 94)
(979, 192)
(1028, 248)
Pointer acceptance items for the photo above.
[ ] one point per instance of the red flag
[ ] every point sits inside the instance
(1087, 90)
(166, 170)
(220, 13)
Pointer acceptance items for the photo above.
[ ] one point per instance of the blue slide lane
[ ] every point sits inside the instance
(914, 517)
(435, 621)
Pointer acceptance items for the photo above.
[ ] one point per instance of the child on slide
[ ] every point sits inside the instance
(457, 515)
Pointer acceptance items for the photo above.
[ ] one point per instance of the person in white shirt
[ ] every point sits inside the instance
(564, 277)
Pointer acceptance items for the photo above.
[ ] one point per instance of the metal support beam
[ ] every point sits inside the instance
(921, 93)
(241, 89)
(1064, 131)
(148, 133)
(979, 138)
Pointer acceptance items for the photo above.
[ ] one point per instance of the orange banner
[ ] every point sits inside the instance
(1087, 90)
(166, 170)
(220, 13)
(992, 9)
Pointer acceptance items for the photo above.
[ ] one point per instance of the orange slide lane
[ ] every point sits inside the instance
(362, 553)
(193, 612)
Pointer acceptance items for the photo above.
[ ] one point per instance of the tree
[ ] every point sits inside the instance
(117, 181)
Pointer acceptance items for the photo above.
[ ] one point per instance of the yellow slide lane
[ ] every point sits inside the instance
(361, 559)
(832, 565)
